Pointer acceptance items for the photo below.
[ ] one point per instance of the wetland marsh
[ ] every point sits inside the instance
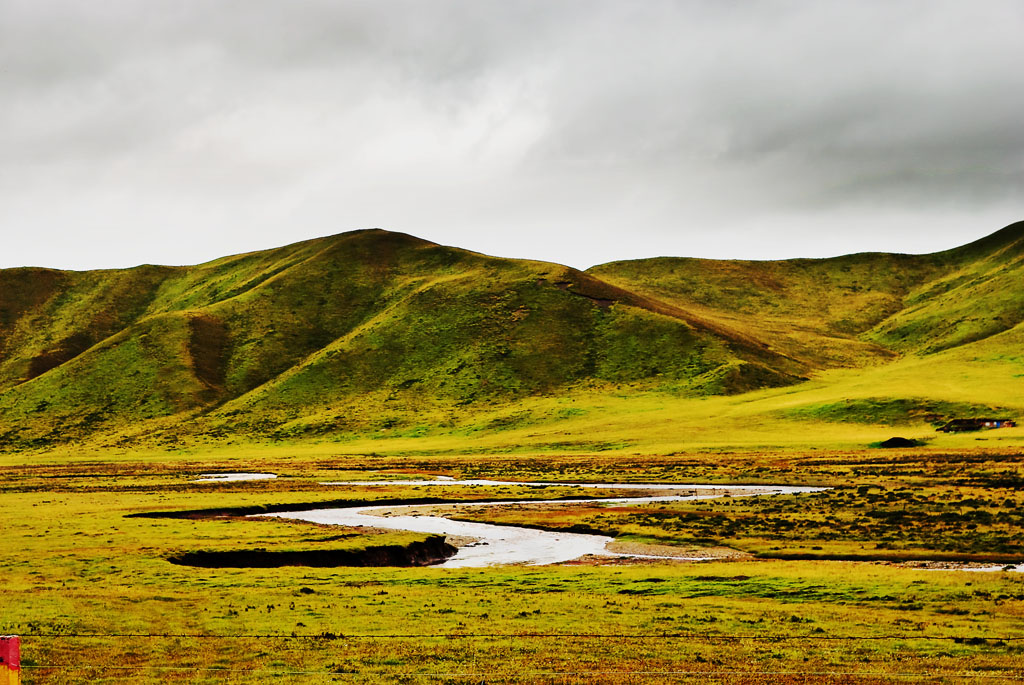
(85, 574)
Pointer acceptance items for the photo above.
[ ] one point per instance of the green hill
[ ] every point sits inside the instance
(336, 325)
(977, 296)
(854, 310)
(370, 331)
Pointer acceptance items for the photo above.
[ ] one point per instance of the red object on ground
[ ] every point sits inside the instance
(10, 660)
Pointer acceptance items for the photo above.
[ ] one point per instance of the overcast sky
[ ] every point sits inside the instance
(174, 132)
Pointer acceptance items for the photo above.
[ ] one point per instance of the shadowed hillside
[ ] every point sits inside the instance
(370, 329)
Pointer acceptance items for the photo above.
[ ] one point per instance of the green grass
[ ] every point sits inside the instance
(895, 412)
(77, 570)
(379, 335)
(285, 336)
(375, 355)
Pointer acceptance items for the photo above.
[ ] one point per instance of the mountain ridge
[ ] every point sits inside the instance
(325, 331)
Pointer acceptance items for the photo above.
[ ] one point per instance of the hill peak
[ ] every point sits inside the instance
(1006, 237)
(378, 234)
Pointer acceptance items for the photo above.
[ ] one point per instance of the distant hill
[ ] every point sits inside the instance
(328, 332)
(847, 311)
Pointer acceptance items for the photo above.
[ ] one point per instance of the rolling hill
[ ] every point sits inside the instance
(853, 310)
(370, 331)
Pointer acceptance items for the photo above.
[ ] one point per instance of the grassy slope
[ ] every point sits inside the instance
(813, 310)
(978, 296)
(853, 310)
(382, 334)
(311, 330)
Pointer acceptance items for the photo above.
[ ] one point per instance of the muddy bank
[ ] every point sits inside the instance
(433, 550)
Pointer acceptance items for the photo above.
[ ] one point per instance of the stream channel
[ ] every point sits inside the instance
(493, 544)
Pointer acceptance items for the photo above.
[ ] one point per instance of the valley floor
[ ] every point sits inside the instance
(88, 584)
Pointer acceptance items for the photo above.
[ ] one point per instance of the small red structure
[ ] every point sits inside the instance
(10, 660)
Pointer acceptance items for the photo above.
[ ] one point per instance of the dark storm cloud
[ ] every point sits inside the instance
(528, 128)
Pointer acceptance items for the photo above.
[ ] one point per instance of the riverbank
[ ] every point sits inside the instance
(524, 544)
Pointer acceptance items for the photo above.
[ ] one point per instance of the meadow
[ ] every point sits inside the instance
(89, 586)
(373, 355)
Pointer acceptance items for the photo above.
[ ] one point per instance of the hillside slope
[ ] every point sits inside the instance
(334, 328)
(848, 311)
(978, 295)
(369, 330)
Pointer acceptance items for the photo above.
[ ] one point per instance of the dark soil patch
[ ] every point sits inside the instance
(900, 442)
(431, 551)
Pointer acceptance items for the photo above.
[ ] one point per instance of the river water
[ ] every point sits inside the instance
(496, 544)
(232, 477)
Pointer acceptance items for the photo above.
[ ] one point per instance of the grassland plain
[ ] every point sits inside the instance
(376, 355)
(89, 584)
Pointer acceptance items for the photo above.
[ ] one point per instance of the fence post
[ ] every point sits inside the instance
(10, 660)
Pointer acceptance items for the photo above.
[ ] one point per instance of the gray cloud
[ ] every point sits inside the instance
(573, 131)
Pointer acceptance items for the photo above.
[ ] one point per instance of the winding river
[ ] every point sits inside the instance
(491, 544)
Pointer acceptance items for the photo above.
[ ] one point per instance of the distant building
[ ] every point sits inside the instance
(965, 425)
